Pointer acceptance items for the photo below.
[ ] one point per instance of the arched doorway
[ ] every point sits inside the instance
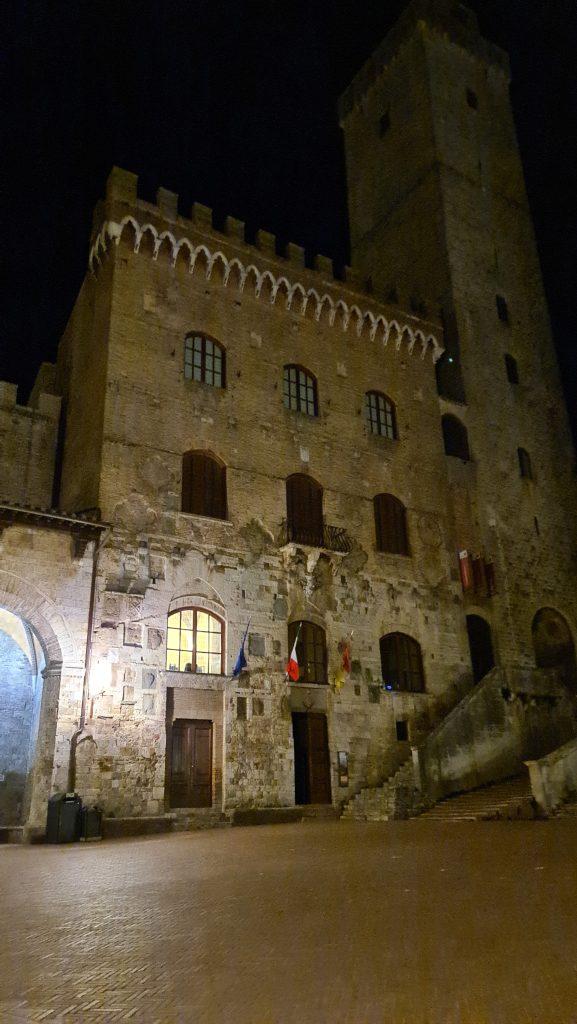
(22, 664)
(480, 646)
(553, 645)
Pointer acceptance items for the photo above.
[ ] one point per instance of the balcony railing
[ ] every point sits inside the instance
(331, 538)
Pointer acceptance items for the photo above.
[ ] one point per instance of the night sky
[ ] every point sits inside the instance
(233, 104)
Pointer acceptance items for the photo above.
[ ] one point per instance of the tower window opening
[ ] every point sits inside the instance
(512, 369)
(472, 99)
(525, 468)
(502, 309)
(384, 123)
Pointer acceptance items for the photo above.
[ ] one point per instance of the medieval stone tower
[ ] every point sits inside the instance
(439, 217)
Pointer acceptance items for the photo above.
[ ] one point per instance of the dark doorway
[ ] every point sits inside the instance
(481, 646)
(191, 763)
(553, 645)
(312, 763)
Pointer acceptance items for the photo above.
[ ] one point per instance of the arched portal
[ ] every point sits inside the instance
(38, 613)
(480, 646)
(22, 664)
(553, 645)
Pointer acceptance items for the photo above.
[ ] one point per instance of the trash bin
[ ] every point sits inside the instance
(91, 824)
(64, 818)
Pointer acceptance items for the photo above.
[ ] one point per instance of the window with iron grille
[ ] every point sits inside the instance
(455, 438)
(203, 485)
(300, 390)
(204, 360)
(512, 369)
(194, 642)
(311, 651)
(401, 663)
(380, 414)
(391, 524)
(525, 468)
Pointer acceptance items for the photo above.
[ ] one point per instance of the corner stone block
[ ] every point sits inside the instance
(8, 393)
(295, 254)
(121, 185)
(234, 228)
(266, 242)
(202, 215)
(167, 203)
(324, 265)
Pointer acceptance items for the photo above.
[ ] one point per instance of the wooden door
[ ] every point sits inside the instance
(312, 762)
(191, 763)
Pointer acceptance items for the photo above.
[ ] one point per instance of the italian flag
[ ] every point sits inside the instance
(292, 668)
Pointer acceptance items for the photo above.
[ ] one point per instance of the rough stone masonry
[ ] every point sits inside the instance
(97, 550)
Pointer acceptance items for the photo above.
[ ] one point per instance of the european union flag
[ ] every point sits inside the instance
(240, 662)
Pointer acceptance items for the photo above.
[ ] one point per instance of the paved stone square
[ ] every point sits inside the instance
(403, 923)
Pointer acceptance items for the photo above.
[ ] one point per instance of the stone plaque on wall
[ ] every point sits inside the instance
(132, 634)
(154, 638)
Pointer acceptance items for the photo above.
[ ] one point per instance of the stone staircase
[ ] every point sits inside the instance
(396, 798)
(508, 800)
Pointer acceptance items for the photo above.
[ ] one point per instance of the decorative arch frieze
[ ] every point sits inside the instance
(296, 296)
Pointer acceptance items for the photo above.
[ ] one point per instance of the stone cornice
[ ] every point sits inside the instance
(267, 285)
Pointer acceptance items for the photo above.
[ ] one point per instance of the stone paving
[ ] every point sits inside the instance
(402, 923)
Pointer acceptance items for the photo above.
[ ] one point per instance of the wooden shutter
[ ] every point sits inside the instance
(304, 510)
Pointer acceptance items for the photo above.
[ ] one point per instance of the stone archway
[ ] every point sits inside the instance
(553, 645)
(20, 597)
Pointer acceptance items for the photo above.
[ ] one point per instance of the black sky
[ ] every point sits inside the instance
(234, 104)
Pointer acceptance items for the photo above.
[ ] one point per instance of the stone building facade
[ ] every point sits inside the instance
(417, 399)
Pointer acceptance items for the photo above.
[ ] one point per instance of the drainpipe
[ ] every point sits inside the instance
(75, 740)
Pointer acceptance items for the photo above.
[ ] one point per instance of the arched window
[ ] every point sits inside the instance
(512, 369)
(380, 414)
(304, 501)
(195, 642)
(391, 524)
(401, 663)
(311, 651)
(203, 485)
(300, 390)
(525, 468)
(204, 360)
(455, 438)
(553, 645)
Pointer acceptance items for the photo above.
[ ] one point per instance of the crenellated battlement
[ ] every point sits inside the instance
(196, 243)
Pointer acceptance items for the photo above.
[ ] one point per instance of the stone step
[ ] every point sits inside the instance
(320, 812)
(11, 834)
(509, 799)
(568, 810)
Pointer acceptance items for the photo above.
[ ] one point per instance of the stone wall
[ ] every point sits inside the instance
(510, 717)
(28, 437)
(554, 777)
